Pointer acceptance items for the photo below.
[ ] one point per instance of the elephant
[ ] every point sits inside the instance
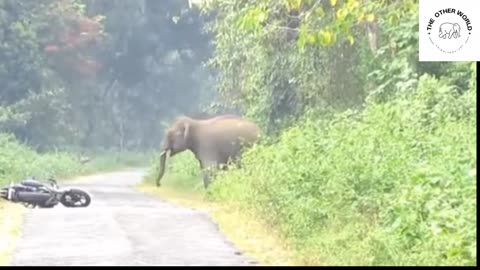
(214, 141)
(450, 29)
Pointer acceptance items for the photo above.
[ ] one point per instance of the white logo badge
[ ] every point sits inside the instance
(447, 30)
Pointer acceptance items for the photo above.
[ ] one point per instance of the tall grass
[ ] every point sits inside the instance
(18, 161)
(394, 184)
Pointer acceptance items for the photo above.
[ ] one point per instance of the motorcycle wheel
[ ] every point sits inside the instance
(75, 198)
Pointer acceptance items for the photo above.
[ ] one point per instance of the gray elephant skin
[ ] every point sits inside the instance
(214, 142)
(449, 29)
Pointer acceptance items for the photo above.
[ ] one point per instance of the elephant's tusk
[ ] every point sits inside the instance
(165, 152)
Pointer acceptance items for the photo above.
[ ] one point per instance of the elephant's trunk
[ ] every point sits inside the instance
(163, 158)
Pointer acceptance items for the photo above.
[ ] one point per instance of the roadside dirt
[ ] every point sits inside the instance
(122, 226)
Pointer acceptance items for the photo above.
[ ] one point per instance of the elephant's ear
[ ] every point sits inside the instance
(186, 131)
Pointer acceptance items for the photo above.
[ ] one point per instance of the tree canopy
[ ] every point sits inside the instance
(99, 73)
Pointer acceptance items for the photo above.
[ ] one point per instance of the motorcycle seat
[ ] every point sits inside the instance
(32, 183)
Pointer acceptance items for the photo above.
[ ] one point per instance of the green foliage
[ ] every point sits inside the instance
(389, 185)
(279, 59)
(99, 73)
(36, 81)
(18, 161)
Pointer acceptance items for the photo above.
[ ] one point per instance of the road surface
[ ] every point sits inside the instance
(122, 226)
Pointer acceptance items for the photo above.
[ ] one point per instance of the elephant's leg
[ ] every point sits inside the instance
(207, 177)
(235, 159)
(208, 168)
(224, 162)
(208, 174)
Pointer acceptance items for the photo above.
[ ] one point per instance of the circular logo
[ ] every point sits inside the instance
(449, 30)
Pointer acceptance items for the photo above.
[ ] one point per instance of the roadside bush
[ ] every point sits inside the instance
(18, 161)
(393, 184)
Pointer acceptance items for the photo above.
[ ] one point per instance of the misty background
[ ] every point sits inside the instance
(101, 74)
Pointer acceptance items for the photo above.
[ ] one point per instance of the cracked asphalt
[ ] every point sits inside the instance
(122, 226)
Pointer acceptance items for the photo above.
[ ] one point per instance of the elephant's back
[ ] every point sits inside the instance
(232, 127)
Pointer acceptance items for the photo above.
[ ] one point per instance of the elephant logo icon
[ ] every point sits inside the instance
(449, 30)
(454, 30)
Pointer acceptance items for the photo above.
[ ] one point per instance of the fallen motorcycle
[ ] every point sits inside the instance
(32, 193)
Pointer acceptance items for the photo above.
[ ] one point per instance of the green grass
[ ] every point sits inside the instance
(393, 184)
(18, 161)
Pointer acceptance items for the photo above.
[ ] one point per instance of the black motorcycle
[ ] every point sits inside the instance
(33, 193)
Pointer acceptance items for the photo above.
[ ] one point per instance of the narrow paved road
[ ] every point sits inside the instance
(122, 227)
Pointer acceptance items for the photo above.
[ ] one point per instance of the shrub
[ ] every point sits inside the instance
(18, 161)
(389, 185)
